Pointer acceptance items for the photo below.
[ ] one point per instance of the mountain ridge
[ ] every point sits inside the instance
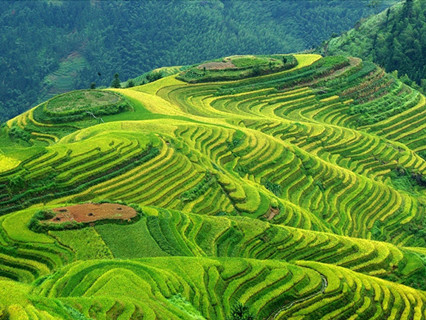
(128, 38)
(392, 39)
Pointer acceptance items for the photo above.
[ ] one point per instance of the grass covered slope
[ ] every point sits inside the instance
(236, 68)
(298, 192)
(212, 263)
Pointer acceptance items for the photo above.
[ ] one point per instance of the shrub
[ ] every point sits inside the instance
(274, 203)
(154, 76)
(240, 312)
(19, 134)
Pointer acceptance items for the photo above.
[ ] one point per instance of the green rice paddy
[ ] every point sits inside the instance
(298, 192)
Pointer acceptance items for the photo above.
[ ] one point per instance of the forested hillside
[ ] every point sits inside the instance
(395, 39)
(49, 47)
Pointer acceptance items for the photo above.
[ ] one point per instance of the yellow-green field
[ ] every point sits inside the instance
(298, 193)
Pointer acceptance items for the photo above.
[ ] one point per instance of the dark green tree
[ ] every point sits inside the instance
(79, 35)
(375, 3)
(116, 82)
(423, 85)
(153, 76)
(396, 42)
(130, 83)
(256, 70)
(240, 312)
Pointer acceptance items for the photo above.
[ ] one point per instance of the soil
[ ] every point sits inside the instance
(91, 212)
(217, 65)
(272, 213)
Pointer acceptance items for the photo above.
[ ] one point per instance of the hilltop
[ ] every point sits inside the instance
(51, 47)
(394, 39)
(293, 184)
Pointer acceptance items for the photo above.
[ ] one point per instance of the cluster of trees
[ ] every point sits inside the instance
(400, 43)
(131, 38)
(395, 40)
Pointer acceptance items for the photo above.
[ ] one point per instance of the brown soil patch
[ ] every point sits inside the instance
(217, 65)
(91, 212)
(272, 213)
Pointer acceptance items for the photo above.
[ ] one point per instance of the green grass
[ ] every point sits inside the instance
(166, 232)
(192, 286)
(15, 225)
(131, 241)
(299, 193)
(85, 243)
(8, 163)
(78, 101)
(13, 292)
(184, 305)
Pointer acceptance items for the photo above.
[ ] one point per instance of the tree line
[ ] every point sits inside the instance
(397, 42)
(133, 37)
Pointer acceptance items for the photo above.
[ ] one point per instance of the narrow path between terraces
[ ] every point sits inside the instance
(324, 285)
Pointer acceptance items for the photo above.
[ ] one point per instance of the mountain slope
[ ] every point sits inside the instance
(297, 189)
(50, 47)
(394, 39)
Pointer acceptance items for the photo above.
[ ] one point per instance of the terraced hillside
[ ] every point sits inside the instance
(296, 189)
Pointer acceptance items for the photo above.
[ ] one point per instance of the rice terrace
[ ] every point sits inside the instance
(285, 186)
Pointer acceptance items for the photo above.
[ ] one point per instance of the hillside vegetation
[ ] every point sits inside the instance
(296, 192)
(394, 39)
(51, 47)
